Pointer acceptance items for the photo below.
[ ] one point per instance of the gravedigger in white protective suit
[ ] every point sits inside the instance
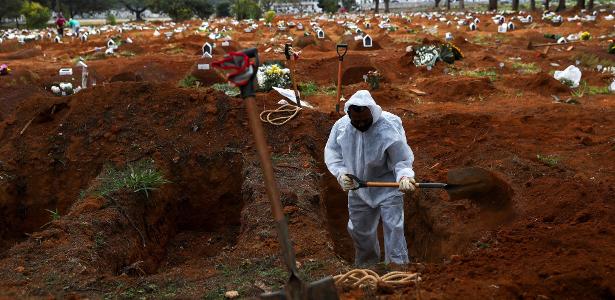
(371, 144)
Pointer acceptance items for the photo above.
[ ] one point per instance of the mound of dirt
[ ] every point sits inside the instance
(465, 46)
(455, 89)
(355, 74)
(126, 76)
(540, 83)
(304, 41)
(384, 40)
(207, 77)
(26, 53)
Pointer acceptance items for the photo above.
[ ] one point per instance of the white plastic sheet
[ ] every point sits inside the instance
(290, 95)
(571, 73)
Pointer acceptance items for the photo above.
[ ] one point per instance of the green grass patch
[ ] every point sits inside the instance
(549, 160)
(482, 39)
(242, 277)
(408, 40)
(141, 176)
(189, 81)
(493, 76)
(175, 50)
(92, 56)
(526, 68)
(482, 245)
(584, 89)
(502, 38)
(330, 90)
(228, 89)
(598, 90)
(127, 54)
(311, 88)
(591, 61)
(308, 88)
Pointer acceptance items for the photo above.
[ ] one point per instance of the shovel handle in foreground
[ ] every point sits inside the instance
(290, 56)
(341, 50)
(422, 185)
(244, 66)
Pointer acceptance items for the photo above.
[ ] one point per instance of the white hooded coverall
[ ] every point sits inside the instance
(379, 154)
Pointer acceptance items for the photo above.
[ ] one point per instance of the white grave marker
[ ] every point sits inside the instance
(66, 72)
(367, 41)
(321, 34)
(84, 74)
(208, 49)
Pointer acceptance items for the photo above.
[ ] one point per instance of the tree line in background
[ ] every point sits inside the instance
(37, 14)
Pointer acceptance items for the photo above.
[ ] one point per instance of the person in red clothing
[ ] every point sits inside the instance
(60, 21)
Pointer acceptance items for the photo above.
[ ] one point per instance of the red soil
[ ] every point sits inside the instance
(210, 230)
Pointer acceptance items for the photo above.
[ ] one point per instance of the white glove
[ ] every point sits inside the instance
(347, 183)
(407, 185)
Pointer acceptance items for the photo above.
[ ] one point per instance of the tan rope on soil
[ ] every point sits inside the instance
(368, 278)
(280, 115)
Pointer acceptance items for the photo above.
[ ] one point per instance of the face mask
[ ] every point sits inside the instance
(362, 126)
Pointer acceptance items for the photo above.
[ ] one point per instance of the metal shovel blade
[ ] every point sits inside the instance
(322, 289)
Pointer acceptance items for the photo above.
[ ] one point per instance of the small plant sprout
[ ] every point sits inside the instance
(55, 215)
(141, 179)
(189, 81)
(549, 160)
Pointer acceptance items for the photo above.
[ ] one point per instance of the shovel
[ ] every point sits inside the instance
(243, 66)
(474, 183)
(289, 57)
(531, 45)
(341, 50)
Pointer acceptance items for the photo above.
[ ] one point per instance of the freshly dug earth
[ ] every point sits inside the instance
(209, 229)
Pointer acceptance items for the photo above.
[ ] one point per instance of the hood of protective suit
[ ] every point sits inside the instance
(364, 98)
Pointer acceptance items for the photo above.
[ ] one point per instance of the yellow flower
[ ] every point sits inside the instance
(585, 36)
(273, 69)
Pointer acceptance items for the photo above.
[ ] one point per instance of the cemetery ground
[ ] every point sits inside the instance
(78, 218)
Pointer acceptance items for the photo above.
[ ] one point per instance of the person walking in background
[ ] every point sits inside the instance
(74, 25)
(60, 22)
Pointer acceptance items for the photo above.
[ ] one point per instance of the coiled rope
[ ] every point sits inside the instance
(280, 115)
(368, 278)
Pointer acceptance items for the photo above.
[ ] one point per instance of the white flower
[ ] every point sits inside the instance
(66, 86)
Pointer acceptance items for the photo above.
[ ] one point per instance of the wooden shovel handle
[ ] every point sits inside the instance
(381, 184)
(423, 185)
